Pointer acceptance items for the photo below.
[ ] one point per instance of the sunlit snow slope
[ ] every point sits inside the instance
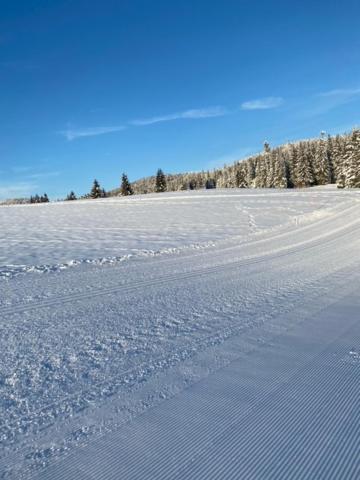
(57, 235)
(198, 335)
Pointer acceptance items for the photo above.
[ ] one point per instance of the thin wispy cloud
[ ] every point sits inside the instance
(341, 92)
(326, 101)
(262, 103)
(191, 114)
(74, 133)
(187, 114)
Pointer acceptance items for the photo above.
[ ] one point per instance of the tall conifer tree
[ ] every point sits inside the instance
(160, 182)
(96, 191)
(125, 188)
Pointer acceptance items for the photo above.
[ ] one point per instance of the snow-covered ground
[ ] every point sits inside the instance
(55, 235)
(190, 335)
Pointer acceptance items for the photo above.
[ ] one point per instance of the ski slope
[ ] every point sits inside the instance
(190, 335)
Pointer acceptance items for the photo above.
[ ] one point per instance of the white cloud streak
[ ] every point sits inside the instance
(187, 114)
(262, 103)
(323, 102)
(192, 114)
(74, 133)
(341, 92)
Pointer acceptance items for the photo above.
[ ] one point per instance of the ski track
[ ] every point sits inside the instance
(225, 353)
(260, 442)
(296, 249)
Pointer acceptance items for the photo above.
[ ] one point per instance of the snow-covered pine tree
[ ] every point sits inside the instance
(125, 186)
(309, 175)
(330, 155)
(228, 178)
(292, 165)
(241, 175)
(201, 179)
(303, 176)
(250, 172)
(260, 173)
(268, 167)
(71, 196)
(96, 191)
(191, 184)
(352, 160)
(322, 171)
(210, 184)
(338, 160)
(233, 173)
(160, 181)
(270, 170)
(279, 170)
(267, 148)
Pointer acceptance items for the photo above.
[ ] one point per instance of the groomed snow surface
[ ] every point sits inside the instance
(192, 335)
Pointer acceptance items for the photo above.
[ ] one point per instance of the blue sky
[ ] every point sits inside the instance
(93, 88)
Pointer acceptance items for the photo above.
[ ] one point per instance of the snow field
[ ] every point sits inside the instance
(86, 350)
(55, 236)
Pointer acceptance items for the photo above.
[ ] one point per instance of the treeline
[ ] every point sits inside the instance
(300, 164)
(326, 160)
(126, 188)
(39, 199)
(15, 201)
(295, 165)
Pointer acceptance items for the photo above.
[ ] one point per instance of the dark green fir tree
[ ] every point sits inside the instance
(96, 191)
(125, 188)
(71, 196)
(160, 182)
